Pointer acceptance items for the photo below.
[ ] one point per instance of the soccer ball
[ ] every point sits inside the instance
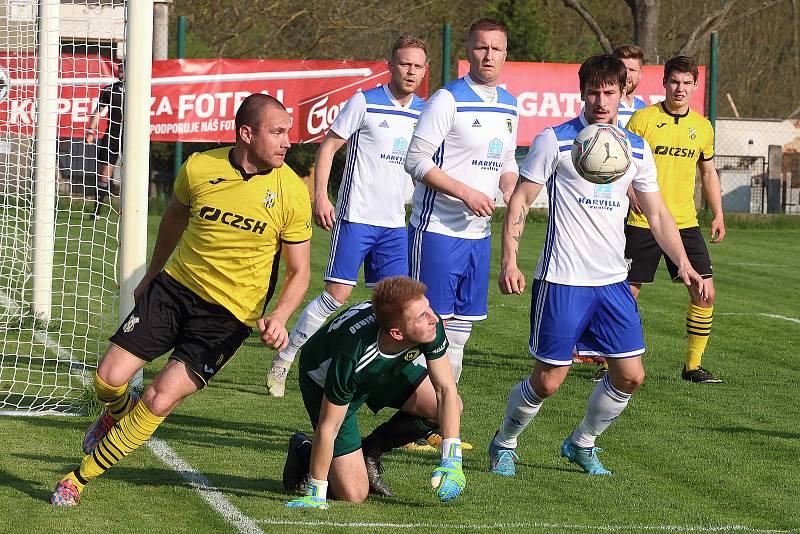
(601, 153)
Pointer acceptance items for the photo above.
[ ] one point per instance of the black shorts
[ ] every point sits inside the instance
(170, 316)
(643, 254)
(108, 149)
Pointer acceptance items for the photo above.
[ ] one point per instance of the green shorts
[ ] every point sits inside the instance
(388, 396)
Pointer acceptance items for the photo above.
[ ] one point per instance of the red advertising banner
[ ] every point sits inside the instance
(80, 80)
(197, 99)
(547, 93)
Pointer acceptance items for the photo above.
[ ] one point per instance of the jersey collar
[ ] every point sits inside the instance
(673, 115)
(394, 101)
(484, 92)
(245, 175)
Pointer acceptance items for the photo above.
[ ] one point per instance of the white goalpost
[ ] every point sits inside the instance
(62, 288)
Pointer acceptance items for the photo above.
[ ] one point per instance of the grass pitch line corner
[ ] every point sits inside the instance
(201, 484)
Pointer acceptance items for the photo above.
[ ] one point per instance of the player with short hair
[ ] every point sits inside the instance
(580, 294)
(369, 223)
(366, 356)
(683, 142)
(462, 151)
(633, 58)
(234, 212)
(111, 98)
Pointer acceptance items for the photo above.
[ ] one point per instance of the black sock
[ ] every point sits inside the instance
(102, 195)
(400, 429)
(303, 452)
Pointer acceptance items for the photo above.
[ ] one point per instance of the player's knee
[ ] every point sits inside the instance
(340, 292)
(631, 381)
(546, 386)
(353, 494)
(159, 402)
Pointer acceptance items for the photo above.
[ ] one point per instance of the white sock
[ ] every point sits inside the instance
(523, 405)
(313, 317)
(458, 332)
(605, 405)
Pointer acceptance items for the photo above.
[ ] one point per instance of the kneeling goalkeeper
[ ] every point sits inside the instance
(365, 355)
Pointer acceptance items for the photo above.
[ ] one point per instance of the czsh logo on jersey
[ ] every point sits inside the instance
(235, 220)
(678, 151)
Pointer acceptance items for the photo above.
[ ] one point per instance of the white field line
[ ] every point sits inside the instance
(207, 491)
(562, 527)
(164, 452)
(768, 315)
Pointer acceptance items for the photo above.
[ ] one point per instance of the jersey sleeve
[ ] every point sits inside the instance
(341, 381)
(646, 176)
(297, 221)
(351, 118)
(708, 148)
(436, 118)
(542, 158)
(438, 347)
(181, 186)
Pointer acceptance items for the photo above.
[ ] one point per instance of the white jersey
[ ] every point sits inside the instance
(374, 183)
(585, 240)
(625, 113)
(477, 140)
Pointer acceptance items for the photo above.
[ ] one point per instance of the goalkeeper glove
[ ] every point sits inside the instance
(315, 497)
(448, 479)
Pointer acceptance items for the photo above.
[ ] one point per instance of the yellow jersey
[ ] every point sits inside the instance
(678, 143)
(229, 253)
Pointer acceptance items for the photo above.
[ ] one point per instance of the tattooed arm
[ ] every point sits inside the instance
(511, 278)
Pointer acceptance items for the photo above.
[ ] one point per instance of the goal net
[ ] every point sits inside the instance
(58, 227)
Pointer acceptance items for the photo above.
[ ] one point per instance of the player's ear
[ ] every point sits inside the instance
(396, 334)
(246, 133)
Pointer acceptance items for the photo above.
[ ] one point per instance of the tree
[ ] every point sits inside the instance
(528, 36)
(646, 13)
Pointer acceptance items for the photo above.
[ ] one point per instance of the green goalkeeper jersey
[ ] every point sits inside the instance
(343, 357)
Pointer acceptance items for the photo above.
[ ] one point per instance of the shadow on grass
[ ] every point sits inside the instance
(761, 431)
(32, 489)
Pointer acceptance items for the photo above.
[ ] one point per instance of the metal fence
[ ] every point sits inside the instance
(744, 183)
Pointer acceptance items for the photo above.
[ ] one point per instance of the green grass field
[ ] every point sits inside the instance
(686, 457)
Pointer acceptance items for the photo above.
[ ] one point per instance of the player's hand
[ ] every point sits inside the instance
(273, 333)
(308, 501)
(141, 288)
(717, 229)
(634, 202)
(695, 281)
(448, 479)
(89, 138)
(324, 213)
(511, 280)
(478, 203)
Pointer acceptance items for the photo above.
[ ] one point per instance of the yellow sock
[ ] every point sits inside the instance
(698, 328)
(127, 436)
(115, 398)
